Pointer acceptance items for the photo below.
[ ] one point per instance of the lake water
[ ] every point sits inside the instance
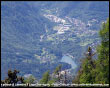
(69, 60)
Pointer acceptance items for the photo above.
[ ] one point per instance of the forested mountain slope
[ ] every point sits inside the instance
(36, 35)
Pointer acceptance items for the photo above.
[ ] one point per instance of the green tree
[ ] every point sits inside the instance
(96, 71)
(85, 74)
(87, 67)
(45, 78)
(102, 64)
(31, 79)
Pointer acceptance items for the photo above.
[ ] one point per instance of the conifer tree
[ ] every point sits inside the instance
(102, 64)
(96, 71)
(45, 78)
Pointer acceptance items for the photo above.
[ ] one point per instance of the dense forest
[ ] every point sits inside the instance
(93, 71)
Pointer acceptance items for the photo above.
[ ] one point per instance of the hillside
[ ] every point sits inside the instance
(36, 35)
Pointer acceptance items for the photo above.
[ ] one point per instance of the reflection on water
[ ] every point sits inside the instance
(69, 60)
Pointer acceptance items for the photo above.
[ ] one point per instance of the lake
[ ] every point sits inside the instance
(69, 60)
